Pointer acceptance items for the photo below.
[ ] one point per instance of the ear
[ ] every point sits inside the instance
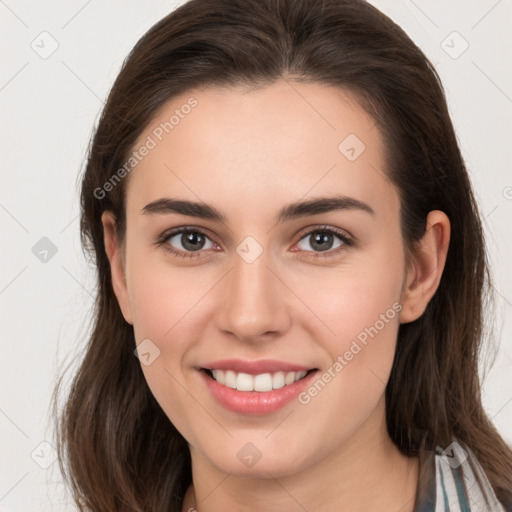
(426, 268)
(115, 256)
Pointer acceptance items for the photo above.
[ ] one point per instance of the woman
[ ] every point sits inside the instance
(287, 240)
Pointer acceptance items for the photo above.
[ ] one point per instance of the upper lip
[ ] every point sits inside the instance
(255, 367)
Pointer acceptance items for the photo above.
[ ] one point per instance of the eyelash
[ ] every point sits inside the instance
(347, 241)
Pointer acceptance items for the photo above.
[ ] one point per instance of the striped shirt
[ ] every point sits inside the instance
(452, 480)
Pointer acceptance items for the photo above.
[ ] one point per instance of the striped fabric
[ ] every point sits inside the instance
(451, 480)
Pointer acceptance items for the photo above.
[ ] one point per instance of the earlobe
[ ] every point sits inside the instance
(426, 268)
(113, 250)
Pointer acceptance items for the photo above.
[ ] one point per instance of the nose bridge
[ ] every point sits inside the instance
(254, 300)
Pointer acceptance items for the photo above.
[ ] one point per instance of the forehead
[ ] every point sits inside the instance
(260, 146)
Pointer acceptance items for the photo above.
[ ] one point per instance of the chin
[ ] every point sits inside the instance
(265, 459)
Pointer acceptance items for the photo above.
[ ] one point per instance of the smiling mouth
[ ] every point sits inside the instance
(261, 382)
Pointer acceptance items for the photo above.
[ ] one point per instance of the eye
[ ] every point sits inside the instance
(186, 242)
(325, 242)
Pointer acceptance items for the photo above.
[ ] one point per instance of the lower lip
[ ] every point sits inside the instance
(255, 402)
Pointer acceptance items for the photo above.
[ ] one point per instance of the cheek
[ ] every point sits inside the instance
(167, 307)
(360, 309)
(354, 299)
(363, 319)
(345, 395)
(154, 308)
(161, 297)
(163, 312)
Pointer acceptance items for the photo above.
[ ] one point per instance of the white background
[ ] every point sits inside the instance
(48, 110)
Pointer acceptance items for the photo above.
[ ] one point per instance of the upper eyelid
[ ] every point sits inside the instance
(185, 229)
(335, 231)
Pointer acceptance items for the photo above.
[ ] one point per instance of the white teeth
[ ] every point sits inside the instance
(289, 378)
(230, 379)
(218, 375)
(278, 380)
(244, 382)
(262, 382)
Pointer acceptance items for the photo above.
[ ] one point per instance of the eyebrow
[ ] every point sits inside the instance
(168, 205)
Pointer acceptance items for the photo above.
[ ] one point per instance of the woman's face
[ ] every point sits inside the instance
(279, 286)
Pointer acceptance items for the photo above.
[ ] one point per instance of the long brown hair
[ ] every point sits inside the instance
(118, 450)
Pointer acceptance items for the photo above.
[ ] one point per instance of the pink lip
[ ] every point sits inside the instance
(255, 402)
(255, 367)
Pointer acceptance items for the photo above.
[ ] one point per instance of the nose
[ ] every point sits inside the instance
(254, 304)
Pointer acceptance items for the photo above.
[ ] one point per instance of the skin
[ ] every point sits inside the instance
(249, 153)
